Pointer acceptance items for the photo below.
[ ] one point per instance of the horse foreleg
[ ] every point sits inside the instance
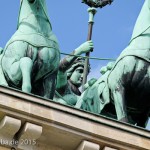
(26, 67)
(49, 85)
(120, 106)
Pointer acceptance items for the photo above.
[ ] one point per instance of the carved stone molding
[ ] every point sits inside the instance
(8, 128)
(64, 128)
(85, 145)
(108, 148)
(28, 135)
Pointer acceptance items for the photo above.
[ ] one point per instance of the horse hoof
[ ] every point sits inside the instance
(26, 88)
(124, 119)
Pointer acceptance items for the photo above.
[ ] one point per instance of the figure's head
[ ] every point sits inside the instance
(75, 73)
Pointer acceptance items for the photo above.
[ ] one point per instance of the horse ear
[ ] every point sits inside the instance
(20, 2)
(143, 21)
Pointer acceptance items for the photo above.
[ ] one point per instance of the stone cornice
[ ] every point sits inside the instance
(64, 127)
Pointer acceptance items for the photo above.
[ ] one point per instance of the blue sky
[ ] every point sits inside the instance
(69, 18)
(111, 33)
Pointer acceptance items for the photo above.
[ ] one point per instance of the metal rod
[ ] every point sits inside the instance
(86, 65)
(92, 11)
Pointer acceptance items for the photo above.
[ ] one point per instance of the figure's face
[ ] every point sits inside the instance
(77, 76)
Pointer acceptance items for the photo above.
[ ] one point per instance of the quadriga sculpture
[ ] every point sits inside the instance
(31, 57)
(127, 84)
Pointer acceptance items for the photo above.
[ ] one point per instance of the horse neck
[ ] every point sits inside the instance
(37, 10)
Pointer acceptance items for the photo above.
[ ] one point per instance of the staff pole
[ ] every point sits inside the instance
(92, 11)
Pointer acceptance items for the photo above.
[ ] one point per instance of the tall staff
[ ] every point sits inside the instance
(92, 11)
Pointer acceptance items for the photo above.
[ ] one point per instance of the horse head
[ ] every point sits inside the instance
(143, 22)
(33, 14)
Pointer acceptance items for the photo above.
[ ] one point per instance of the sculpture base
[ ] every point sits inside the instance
(30, 122)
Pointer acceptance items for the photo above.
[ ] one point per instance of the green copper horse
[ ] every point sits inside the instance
(126, 87)
(31, 57)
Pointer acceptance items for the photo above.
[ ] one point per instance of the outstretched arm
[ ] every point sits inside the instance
(67, 62)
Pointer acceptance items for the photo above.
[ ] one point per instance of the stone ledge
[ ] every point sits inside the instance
(8, 128)
(64, 127)
(28, 135)
(85, 145)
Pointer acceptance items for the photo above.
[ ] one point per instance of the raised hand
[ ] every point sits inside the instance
(84, 48)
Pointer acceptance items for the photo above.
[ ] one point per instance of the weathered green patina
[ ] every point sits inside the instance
(70, 76)
(96, 95)
(92, 11)
(31, 57)
(126, 86)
